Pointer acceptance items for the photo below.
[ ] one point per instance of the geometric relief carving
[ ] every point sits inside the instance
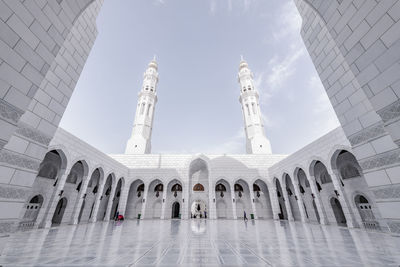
(2, 144)
(388, 192)
(381, 160)
(367, 134)
(13, 193)
(33, 134)
(10, 112)
(390, 112)
(394, 227)
(19, 160)
(7, 227)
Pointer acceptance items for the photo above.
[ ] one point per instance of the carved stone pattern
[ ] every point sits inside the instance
(19, 160)
(2, 143)
(380, 160)
(388, 192)
(13, 193)
(10, 112)
(8, 227)
(390, 112)
(367, 134)
(394, 227)
(33, 134)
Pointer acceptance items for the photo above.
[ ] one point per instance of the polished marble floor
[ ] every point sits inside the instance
(201, 243)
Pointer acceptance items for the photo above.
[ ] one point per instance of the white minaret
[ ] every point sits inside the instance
(140, 142)
(256, 142)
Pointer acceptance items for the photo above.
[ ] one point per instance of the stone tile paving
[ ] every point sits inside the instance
(201, 243)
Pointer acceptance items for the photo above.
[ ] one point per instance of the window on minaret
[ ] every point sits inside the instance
(249, 88)
(152, 88)
(147, 88)
(248, 109)
(148, 109)
(244, 88)
(142, 109)
(254, 108)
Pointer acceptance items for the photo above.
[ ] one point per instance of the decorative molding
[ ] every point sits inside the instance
(10, 112)
(394, 226)
(2, 143)
(390, 112)
(19, 160)
(368, 133)
(13, 193)
(381, 160)
(8, 226)
(33, 134)
(392, 191)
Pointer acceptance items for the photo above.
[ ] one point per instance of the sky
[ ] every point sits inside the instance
(198, 46)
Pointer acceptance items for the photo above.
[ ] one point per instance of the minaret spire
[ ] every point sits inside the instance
(140, 141)
(256, 141)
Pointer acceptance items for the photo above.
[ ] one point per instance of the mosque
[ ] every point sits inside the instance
(348, 179)
(77, 184)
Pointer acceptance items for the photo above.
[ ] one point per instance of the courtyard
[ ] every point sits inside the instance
(201, 243)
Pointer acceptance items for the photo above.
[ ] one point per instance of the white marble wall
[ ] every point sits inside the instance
(355, 48)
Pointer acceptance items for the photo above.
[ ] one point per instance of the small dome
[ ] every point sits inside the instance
(153, 64)
(243, 64)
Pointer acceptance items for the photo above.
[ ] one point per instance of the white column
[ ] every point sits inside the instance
(80, 198)
(287, 203)
(164, 202)
(146, 190)
(110, 201)
(51, 207)
(123, 199)
(185, 200)
(97, 202)
(232, 187)
(253, 204)
(318, 202)
(274, 201)
(212, 213)
(348, 213)
(300, 202)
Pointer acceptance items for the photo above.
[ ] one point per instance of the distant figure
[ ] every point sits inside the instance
(205, 214)
(116, 216)
(245, 217)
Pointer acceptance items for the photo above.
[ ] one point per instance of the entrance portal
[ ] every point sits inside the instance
(338, 212)
(175, 210)
(199, 209)
(59, 212)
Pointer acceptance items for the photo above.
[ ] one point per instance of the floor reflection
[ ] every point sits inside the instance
(200, 242)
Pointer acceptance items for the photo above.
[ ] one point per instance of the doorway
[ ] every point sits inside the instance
(338, 212)
(59, 212)
(199, 210)
(175, 210)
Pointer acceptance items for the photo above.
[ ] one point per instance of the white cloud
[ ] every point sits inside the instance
(230, 5)
(281, 71)
(159, 2)
(234, 145)
(288, 23)
(325, 117)
(213, 7)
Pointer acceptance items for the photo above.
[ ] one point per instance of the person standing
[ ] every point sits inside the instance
(245, 217)
(116, 217)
